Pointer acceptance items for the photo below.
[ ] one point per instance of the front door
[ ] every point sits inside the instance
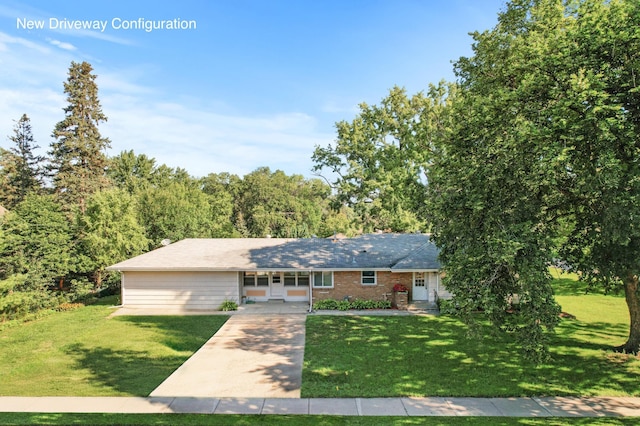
(277, 286)
(420, 288)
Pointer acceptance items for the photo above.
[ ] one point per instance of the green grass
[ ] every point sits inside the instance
(433, 356)
(86, 353)
(247, 420)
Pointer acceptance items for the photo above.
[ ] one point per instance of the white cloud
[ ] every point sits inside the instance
(62, 45)
(200, 137)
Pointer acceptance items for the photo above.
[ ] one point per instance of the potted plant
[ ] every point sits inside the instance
(400, 288)
(400, 296)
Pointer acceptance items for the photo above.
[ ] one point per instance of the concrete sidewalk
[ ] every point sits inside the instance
(432, 406)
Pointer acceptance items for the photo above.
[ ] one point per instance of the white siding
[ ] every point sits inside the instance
(443, 293)
(179, 290)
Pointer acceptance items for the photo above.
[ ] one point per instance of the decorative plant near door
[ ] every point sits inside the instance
(400, 288)
(229, 305)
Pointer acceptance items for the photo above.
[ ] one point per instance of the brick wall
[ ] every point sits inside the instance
(349, 283)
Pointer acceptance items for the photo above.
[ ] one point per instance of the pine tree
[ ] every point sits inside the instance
(78, 160)
(20, 169)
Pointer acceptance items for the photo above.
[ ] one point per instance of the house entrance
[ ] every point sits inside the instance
(420, 287)
(276, 286)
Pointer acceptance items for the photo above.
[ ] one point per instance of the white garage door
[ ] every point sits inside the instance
(179, 290)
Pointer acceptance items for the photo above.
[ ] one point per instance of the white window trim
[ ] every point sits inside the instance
(375, 277)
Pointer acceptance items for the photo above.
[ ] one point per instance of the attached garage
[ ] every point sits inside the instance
(200, 274)
(179, 290)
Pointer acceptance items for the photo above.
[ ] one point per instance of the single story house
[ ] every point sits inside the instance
(203, 273)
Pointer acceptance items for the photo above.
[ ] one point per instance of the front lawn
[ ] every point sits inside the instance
(369, 356)
(85, 353)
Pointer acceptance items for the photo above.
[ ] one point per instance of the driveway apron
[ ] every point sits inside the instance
(251, 356)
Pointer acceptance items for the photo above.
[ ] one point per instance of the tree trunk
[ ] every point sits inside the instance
(632, 295)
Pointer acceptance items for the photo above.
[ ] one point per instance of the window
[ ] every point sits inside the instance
(262, 278)
(368, 277)
(276, 278)
(303, 279)
(419, 280)
(323, 279)
(290, 278)
(249, 278)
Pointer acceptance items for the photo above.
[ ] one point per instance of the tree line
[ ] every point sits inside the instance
(76, 210)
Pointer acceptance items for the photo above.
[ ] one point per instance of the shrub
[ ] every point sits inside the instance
(81, 290)
(18, 298)
(344, 305)
(446, 306)
(229, 305)
(63, 307)
(326, 304)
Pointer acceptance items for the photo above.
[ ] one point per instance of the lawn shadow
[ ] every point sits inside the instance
(422, 357)
(125, 371)
(133, 368)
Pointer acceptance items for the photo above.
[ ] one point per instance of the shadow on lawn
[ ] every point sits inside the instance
(126, 371)
(283, 337)
(572, 287)
(426, 357)
(139, 371)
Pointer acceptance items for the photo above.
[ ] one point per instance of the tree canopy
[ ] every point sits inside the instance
(21, 170)
(545, 140)
(378, 164)
(78, 159)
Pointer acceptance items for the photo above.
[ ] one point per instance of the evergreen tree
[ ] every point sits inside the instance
(36, 242)
(20, 168)
(78, 161)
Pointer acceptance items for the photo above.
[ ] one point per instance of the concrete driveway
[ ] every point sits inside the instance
(251, 356)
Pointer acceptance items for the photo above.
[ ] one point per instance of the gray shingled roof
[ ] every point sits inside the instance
(372, 251)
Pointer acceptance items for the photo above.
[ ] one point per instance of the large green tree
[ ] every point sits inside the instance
(378, 163)
(174, 211)
(37, 242)
(545, 139)
(272, 203)
(218, 190)
(132, 172)
(109, 232)
(21, 170)
(78, 159)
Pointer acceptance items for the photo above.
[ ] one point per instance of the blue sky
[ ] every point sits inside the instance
(256, 83)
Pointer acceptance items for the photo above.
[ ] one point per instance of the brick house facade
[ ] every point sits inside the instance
(348, 284)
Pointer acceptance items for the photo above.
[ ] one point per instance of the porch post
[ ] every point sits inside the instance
(310, 291)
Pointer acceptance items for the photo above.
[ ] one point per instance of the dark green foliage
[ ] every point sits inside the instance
(174, 211)
(381, 156)
(21, 171)
(132, 172)
(19, 298)
(35, 255)
(543, 151)
(77, 157)
(272, 203)
(109, 232)
(37, 241)
(345, 305)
